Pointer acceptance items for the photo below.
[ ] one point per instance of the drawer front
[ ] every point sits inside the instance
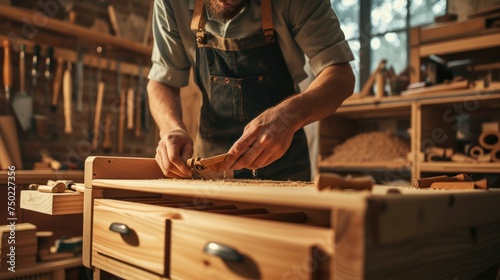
(212, 246)
(146, 244)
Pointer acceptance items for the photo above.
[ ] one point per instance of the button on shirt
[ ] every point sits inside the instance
(308, 28)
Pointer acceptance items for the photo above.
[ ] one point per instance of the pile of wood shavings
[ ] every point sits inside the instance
(371, 147)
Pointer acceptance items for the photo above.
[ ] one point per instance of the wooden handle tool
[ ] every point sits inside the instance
(427, 182)
(121, 124)
(7, 71)
(67, 90)
(57, 84)
(335, 181)
(130, 108)
(97, 118)
(106, 142)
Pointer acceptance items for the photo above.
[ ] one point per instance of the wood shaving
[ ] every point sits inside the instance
(371, 147)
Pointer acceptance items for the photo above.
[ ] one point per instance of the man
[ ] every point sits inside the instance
(248, 57)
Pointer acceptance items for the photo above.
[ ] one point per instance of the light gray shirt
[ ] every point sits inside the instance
(303, 27)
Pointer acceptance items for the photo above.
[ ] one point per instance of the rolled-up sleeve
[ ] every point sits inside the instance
(170, 63)
(316, 29)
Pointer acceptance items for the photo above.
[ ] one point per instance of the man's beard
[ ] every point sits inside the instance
(222, 13)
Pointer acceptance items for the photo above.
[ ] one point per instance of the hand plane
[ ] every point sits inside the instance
(208, 168)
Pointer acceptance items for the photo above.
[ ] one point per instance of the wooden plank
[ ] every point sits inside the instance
(399, 218)
(349, 250)
(120, 167)
(460, 45)
(121, 269)
(52, 203)
(443, 31)
(299, 194)
(43, 267)
(447, 167)
(459, 253)
(437, 89)
(88, 214)
(26, 177)
(485, 12)
(76, 31)
(354, 165)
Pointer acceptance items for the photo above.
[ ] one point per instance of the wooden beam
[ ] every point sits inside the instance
(72, 30)
(461, 45)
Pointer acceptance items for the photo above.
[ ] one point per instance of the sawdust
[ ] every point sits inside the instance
(245, 182)
(371, 147)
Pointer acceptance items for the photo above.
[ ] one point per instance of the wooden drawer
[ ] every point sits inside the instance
(254, 249)
(145, 246)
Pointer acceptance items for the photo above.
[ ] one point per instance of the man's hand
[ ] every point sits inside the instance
(265, 139)
(173, 150)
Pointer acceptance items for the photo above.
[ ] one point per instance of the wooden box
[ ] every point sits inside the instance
(140, 226)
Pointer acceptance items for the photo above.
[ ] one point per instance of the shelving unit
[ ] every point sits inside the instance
(419, 116)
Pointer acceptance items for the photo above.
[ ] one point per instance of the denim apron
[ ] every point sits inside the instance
(239, 79)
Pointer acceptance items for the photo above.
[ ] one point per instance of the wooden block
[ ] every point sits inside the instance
(440, 31)
(52, 203)
(438, 88)
(490, 126)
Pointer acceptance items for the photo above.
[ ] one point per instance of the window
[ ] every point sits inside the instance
(378, 29)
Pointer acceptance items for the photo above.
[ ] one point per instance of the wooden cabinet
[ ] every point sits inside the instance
(450, 120)
(138, 225)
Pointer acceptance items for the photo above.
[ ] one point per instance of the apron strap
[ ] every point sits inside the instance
(267, 20)
(198, 20)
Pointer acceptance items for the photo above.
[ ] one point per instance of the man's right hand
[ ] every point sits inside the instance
(173, 150)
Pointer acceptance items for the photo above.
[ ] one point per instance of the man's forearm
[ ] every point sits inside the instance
(165, 106)
(322, 98)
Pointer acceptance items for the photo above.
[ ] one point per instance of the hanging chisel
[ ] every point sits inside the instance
(79, 81)
(91, 98)
(48, 74)
(7, 74)
(130, 103)
(57, 85)
(34, 69)
(67, 90)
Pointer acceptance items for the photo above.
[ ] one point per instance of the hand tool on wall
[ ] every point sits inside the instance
(121, 119)
(34, 69)
(130, 104)
(208, 168)
(67, 90)
(92, 109)
(114, 21)
(48, 73)
(22, 103)
(79, 81)
(57, 85)
(138, 114)
(97, 117)
(7, 74)
(106, 142)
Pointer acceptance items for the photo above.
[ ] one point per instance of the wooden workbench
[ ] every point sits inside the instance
(138, 225)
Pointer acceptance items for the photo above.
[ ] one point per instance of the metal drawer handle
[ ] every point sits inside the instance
(222, 251)
(119, 228)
